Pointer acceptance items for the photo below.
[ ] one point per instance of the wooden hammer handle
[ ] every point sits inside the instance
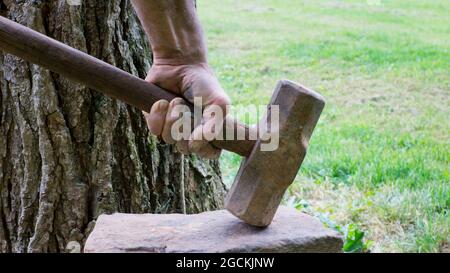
(80, 67)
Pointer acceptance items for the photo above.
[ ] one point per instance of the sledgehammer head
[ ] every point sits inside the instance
(264, 176)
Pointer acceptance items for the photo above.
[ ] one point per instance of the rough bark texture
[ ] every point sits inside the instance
(69, 154)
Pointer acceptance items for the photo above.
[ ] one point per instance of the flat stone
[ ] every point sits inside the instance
(211, 232)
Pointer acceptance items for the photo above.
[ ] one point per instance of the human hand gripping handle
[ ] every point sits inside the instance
(189, 81)
(180, 66)
(80, 67)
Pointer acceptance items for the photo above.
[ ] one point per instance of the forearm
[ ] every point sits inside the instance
(174, 31)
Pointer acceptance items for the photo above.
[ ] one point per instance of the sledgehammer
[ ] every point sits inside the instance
(263, 176)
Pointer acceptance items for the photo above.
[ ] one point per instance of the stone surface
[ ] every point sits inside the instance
(216, 231)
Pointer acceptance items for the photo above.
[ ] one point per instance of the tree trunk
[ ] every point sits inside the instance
(67, 153)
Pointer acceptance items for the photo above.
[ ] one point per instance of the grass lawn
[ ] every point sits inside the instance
(379, 160)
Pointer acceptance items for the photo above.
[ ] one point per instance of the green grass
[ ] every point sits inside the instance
(379, 159)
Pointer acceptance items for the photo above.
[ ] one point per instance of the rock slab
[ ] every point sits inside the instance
(210, 232)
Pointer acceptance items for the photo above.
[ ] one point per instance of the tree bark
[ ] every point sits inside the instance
(69, 154)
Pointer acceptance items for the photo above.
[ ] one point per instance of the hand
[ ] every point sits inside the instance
(190, 81)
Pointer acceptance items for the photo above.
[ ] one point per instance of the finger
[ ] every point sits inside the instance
(204, 149)
(174, 113)
(211, 126)
(183, 147)
(212, 123)
(157, 116)
(207, 131)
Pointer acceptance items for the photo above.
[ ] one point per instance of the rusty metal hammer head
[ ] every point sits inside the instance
(264, 176)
